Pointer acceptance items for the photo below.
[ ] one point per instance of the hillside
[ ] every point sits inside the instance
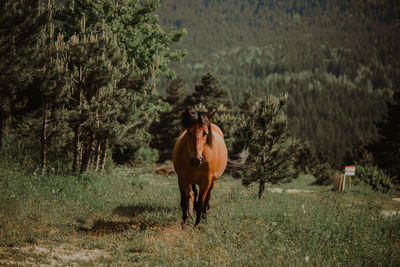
(337, 59)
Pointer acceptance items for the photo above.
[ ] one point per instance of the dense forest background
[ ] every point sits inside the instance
(94, 82)
(338, 60)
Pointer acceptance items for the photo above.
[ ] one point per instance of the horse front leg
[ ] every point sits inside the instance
(192, 200)
(207, 201)
(187, 197)
(201, 202)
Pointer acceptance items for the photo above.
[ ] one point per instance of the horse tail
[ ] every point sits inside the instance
(239, 160)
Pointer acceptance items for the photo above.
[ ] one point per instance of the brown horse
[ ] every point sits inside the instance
(200, 157)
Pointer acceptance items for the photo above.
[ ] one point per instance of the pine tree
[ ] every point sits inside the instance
(386, 150)
(107, 99)
(148, 49)
(358, 154)
(176, 94)
(166, 130)
(210, 93)
(20, 25)
(135, 26)
(247, 110)
(272, 153)
(51, 70)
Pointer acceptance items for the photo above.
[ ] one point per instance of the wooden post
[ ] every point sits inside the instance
(344, 182)
(340, 183)
(349, 171)
(349, 183)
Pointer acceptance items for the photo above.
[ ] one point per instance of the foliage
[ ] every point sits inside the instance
(307, 158)
(134, 24)
(272, 153)
(92, 89)
(358, 154)
(166, 130)
(374, 177)
(323, 173)
(387, 149)
(20, 25)
(146, 155)
(147, 51)
(212, 95)
(337, 60)
(104, 100)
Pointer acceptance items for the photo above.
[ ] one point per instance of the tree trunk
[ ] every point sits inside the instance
(44, 142)
(87, 151)
(75, 163)
(90, 152)
(84, 151)
(98, 154)
(103, 155)
(261, 188)
(77, 130)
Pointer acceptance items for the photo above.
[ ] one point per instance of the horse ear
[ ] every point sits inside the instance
(211, 115)
(188, 111)
(189, 117)
(191, 113)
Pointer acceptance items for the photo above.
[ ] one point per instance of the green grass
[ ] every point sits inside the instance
(132, 216)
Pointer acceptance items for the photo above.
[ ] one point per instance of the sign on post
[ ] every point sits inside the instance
(340, 181)
(350, 170)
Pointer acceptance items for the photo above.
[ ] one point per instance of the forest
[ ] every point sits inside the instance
(86, 84)
(338, 60)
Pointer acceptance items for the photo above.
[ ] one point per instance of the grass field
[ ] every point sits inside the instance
(132, 217)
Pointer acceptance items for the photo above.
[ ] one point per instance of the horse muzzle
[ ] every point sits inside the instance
(196, 161)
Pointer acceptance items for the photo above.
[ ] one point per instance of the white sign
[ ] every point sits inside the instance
(350, 170)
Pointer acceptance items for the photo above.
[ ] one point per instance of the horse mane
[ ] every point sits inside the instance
(191, 117)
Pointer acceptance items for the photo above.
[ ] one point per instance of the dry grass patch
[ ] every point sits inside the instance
(58, 255)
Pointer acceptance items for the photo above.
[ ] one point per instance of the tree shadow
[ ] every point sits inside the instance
(132, 211)
(128, 218)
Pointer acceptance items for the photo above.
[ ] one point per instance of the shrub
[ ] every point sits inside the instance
(323, 174)
(374, 177)
(146, 155)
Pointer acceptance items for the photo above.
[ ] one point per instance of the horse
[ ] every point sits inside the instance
(199, 157)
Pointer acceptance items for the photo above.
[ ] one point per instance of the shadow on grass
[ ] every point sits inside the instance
(132, 211)
(131, 220)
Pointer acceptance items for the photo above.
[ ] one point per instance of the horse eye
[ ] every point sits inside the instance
(204, 133)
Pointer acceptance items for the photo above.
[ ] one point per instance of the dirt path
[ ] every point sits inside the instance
(44, 255)
(288, 191)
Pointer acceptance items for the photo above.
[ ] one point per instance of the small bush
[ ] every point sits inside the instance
(374, 177)
(146, 155)
(323, 174)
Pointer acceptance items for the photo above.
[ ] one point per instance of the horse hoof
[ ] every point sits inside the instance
(186, 223)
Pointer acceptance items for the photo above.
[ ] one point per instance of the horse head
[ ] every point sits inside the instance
(198, 130)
